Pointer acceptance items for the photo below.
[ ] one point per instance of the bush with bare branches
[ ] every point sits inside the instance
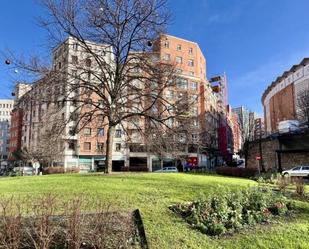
(52, 222)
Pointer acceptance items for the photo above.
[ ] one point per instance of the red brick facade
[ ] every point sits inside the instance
(15, 131)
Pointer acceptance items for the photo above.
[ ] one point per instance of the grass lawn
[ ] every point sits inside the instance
(152, 194)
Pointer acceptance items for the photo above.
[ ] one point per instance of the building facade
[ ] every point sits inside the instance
(47, 113)
(191, 84)
(6, 106)
(280, 98)
(259, 128)
(44, 120)
(244, 121)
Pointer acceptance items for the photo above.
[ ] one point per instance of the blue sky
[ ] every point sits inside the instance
(252, 41)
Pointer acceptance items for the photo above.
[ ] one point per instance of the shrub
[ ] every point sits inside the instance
(51, 222)
(59, 170)
(283, 182)
(237, 172)
(231, 211)
(53, 170)
(300, 187)
(72, 170)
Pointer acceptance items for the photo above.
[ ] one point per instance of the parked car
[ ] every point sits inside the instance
(297, 171)
(28, 171)
(167, 170)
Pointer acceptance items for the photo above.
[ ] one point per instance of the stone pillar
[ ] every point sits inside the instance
(149, 163)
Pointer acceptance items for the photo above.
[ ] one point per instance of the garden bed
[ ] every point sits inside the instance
(229, 212)
(46, 224)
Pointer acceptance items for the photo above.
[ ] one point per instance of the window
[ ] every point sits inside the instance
(166, 44)
(167, 57)
(74, 60)
(100, 147)
(75, 46)
(180, 95)
(118, 146)
(195, 122)
(170, 122)
(88, 102)
(190, 50)
(179, 71)
(87, 146)
(89, 76)
(296, 168)
(178, 59)
(87, 131)
(305, 168)
(182, 84)
(100, 103)
(194, 98)
(100, 118)
(191, 73)
(170, 94)
(178, 47)
(190, 63)
(194, 137)
(100, 132)
(118, 133)
(72, 131)
(154, 108)
(88, 62)
(136, 83)
(74, 73)
(195, 111)
(194, 86)
(71, 145)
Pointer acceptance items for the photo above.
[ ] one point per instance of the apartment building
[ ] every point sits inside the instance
(243, 118)
(6, 106)
(50, 117)
(259, 128)
(236, 133)
(54, 113)
(191, 86)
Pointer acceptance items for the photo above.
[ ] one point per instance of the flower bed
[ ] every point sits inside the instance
(230, 211)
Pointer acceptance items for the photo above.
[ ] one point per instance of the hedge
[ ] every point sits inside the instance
(237, 172)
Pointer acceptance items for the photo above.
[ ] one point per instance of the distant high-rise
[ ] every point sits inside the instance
(244, 120)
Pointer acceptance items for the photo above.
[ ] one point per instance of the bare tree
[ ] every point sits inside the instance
(101, 85)
(303, 105)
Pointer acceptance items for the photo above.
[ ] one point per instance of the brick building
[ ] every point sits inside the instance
(85, 149)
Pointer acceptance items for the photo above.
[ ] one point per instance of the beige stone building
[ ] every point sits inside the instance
(80, 141)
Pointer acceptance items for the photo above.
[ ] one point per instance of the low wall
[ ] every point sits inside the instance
(298, 156)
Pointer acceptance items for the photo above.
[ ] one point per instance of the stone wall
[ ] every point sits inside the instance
(269, 155)
(290, 160)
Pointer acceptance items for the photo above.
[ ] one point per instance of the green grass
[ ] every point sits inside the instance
(153, 193)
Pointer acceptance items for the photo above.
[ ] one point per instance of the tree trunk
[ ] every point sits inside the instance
(109, 149)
